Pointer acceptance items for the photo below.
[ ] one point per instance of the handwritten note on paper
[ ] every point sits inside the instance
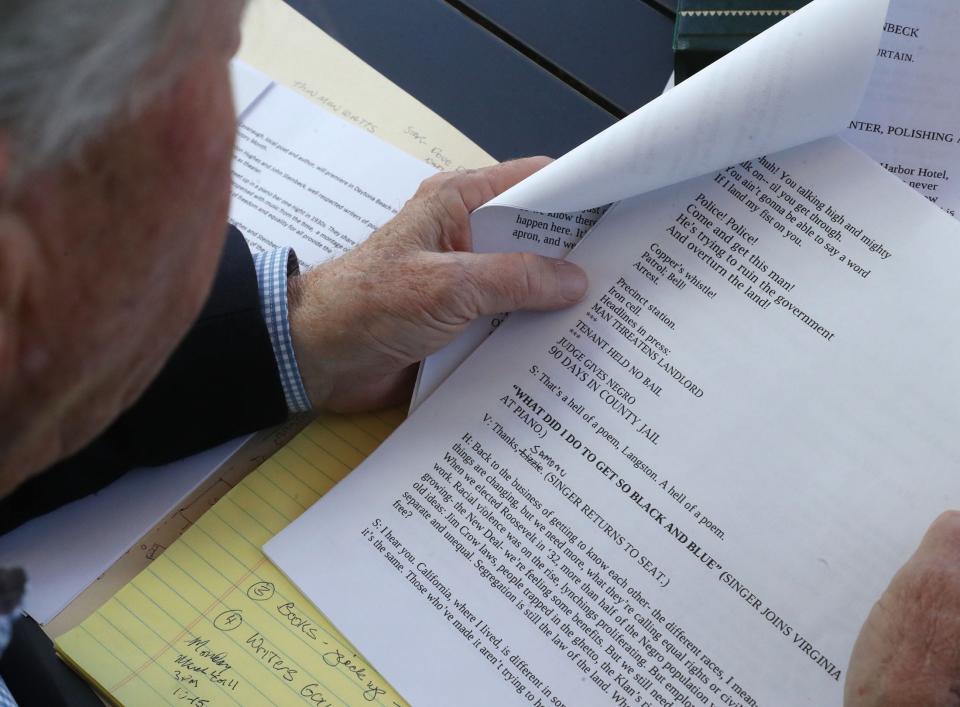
(213, 622)
(293, 51)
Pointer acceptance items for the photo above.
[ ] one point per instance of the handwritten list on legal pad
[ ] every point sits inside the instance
(212, 622)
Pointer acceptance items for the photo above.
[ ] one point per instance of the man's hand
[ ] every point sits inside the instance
(908, 652)
(359, 322)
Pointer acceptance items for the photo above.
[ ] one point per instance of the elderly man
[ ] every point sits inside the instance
(135, 327)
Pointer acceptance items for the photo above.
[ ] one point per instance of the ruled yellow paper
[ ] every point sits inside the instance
(212, 622)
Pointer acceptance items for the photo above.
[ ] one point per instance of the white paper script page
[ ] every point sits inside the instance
(307, 179)
(690, 488)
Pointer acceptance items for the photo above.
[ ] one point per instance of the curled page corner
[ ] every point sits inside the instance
(801, 80)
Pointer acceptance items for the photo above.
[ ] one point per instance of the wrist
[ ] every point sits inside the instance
(275, 269)
(304, 331)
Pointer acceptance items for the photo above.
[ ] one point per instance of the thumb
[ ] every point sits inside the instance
(503, 282)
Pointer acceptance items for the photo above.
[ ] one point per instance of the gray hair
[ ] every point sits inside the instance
(67, 67)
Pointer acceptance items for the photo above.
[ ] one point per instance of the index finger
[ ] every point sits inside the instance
(481, 185)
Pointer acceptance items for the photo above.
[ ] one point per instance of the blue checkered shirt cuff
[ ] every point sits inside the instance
(273, 269)
(6, 630)
(6, 699)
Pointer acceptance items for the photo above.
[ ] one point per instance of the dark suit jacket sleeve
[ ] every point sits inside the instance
(222, 381)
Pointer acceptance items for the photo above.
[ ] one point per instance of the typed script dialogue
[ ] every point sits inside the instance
(687, 490)
(305, 179)
(780, 90)
(907, 121)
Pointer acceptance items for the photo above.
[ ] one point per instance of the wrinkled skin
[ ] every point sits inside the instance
(908, 653)
(409, 289)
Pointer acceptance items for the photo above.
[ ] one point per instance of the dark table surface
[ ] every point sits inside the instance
(616, 51)
(518, 77)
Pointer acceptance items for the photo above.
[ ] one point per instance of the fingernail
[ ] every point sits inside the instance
(573, 281)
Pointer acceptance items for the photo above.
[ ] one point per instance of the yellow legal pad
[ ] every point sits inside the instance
(212, 622)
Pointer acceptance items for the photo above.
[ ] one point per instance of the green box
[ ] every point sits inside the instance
(708, 29)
